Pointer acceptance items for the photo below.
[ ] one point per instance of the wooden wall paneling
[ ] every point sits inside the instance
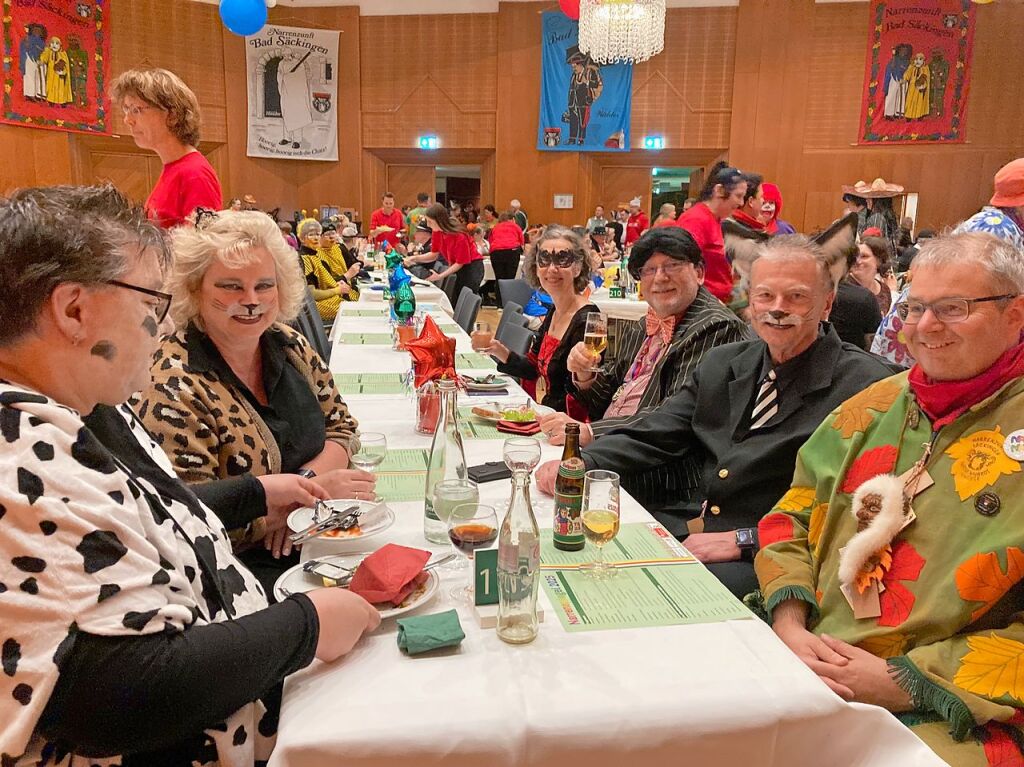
(429, 73)
(621, 184)
(33, 157)
(406, 181)
(685, 92)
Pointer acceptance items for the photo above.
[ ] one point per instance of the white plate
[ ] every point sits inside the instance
(302, 518)
(496, 385)
(299, 582)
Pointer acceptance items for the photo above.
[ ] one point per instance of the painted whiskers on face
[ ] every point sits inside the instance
(238, 309)
(781, 319)
(104, 349)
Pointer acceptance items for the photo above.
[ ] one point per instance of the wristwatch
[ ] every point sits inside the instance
(746, 540)
(307, 473)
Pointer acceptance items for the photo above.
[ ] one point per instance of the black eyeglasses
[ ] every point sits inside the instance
(161, 309)
(560, 258)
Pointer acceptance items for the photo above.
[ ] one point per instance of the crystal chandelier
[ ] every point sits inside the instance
(622, 30)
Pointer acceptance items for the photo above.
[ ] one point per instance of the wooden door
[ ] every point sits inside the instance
(620, 185)
(406, 181)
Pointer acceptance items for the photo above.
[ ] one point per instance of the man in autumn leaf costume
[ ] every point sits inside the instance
(927, 625)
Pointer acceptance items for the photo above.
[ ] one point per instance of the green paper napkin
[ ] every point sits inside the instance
(423, 633)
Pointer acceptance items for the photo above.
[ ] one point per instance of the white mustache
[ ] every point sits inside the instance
(788, 320)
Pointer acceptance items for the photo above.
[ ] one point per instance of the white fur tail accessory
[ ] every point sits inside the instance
(876, 529)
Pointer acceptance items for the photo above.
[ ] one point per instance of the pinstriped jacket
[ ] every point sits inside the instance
(706, 324)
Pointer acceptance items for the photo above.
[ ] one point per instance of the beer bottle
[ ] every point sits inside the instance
(568, 528)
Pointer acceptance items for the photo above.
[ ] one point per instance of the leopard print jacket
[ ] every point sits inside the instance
(210, 430)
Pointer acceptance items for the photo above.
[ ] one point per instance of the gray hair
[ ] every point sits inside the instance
(580, 253)
(797, 247)
(308, 224)
(60, 234)
(1003, 262)
(231, 238)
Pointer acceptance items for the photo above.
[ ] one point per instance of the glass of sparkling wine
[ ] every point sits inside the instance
(600, 517)
(448, 495)
(471, 526)
(373, 449)
(595, 337)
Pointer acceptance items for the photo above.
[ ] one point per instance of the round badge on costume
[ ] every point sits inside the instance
(987, 504)
(1013, 445)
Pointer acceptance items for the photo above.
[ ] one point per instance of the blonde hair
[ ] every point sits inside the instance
(163, 90)
(231, 238)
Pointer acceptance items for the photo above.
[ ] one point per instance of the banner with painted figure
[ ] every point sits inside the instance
(293, 93)
(584, 106)
(918, 71)
(57, 64)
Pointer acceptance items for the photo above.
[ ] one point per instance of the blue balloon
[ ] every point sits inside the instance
(243, 17)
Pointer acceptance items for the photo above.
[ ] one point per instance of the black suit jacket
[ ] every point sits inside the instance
(744, 472)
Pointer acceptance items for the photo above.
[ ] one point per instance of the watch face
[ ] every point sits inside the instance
(744, 537)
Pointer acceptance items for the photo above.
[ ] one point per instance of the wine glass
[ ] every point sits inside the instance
(448, 495)
(595, 337)
(521, 453)
(373, 449)
(471, 526)
(600, 517)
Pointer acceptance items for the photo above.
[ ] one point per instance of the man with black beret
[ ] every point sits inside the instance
(654, 356)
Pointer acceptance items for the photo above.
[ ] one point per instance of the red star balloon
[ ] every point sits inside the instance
(433, 354)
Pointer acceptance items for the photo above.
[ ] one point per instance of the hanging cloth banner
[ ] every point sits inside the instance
(293, 93)
(57, 64)
(918, 71)
(584, 106)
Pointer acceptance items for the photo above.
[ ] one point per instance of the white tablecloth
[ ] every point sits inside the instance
(710, 694)
(618, 308)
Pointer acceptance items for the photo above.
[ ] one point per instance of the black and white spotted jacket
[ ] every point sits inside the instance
(83, 550)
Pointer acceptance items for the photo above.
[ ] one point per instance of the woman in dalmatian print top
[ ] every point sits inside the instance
(129, 633)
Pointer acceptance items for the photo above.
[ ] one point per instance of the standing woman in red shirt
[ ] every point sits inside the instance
(722, 194)
(507, 243)
(163, 115)
(451, 240)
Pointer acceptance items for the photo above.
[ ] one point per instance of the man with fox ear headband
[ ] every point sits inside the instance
(748, 407)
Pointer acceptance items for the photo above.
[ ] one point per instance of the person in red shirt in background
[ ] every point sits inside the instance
(162, 114)
(722, 194)
(637, 224)
(666, 216)
(386, 216)
(451, 240)
(750, 213)
(507, 244)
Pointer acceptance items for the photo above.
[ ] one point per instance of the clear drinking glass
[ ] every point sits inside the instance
(481, 336)
(471, 526)
(521, 453)
(448, 495)
(373, 449)
(595, 338)
(600, 517)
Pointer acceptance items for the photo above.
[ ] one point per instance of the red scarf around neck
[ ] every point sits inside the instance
(945, 401)
(748, 221)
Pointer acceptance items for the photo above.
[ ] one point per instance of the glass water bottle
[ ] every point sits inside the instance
(518, 566)
(447, 459)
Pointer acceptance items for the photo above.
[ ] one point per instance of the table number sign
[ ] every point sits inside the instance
(485, 577)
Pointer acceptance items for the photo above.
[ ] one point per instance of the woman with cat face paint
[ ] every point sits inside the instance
(235, 393)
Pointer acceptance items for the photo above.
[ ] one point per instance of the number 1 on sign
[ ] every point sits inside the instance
(485, 563)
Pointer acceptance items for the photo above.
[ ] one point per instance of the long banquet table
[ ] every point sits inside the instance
(725, 693)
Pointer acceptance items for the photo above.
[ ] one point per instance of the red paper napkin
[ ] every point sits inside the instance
(514, 427)
(389, 574)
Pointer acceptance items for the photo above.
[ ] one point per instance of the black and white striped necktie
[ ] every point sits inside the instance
(767, 403)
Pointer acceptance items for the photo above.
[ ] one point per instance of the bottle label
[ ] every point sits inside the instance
(568, 527)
